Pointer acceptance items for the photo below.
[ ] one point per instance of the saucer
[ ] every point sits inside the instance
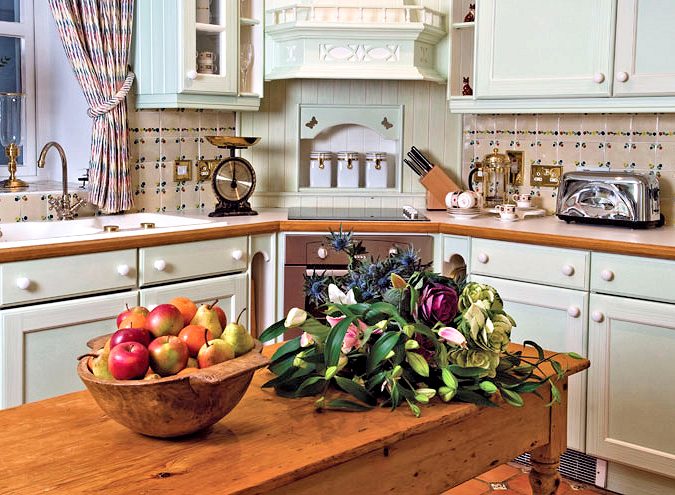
(464, 212)
(464, 215)
(507, 220)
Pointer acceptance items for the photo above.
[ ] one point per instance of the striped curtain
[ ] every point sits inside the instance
(96, 36)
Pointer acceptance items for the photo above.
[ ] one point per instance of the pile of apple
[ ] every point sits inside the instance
(173, 339)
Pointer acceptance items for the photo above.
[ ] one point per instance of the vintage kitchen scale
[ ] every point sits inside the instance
(233, 178)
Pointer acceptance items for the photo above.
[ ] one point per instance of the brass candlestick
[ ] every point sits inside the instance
(12, 151)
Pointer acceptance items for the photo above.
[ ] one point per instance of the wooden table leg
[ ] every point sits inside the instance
(544, 476)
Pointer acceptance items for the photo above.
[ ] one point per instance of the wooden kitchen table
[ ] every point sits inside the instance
(268, 444)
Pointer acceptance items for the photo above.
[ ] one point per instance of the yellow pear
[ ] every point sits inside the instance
(238, 337)
(98, 362)
(207, 317)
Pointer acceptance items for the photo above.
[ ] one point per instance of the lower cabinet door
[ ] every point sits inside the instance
(39, 344)
(556, 319)
(230, 291)
(631, 387)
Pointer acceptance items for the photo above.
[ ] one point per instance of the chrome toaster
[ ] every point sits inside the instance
(629, 199)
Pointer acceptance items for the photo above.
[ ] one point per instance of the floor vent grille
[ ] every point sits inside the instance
(575, 466)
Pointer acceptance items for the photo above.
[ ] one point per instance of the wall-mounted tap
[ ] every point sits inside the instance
(61, 204)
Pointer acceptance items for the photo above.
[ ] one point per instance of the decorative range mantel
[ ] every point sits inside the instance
(320, 39)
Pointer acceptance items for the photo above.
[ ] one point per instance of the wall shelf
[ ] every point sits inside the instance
(358, 128)
(463, 25)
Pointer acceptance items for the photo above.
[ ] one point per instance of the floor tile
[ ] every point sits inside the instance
(499, 474)
(471, 487)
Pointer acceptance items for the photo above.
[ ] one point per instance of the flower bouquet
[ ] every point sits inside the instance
(392, 332)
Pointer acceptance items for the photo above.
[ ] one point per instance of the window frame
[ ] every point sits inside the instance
(25, 31)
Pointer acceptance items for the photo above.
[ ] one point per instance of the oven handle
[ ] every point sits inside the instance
(329, 272)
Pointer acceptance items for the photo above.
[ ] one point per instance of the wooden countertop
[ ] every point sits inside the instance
(68, 445)
(548, 231)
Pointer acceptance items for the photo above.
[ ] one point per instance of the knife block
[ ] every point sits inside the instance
(438, 185)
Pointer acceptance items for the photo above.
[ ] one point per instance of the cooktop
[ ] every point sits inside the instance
(405, 214)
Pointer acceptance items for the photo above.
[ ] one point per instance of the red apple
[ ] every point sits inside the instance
(140, 310)
(140, 335)
(165, 319)
(168, 355)
(195, 336)
(128, 361)
(213, 352)
(222, 317)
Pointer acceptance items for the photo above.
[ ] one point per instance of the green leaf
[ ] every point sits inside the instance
(334, 341)
(417, 363)
(555, 394)
(468, 372)
(273, 331)
(488, 387)
(381, 348)
(473, 398)
(417, 412)
(281, 365)
(558, 369)
(316, 329)
(540, 351)
(574, 355)
(395, 396)
(290, 374)
(290, 347)
(449, 379)
(309, 382)
(375, 381)
(347, 405)
(527, 387)
(512, 397)
(353, 388)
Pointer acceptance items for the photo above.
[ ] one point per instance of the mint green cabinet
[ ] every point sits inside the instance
(631, 400)
(645, 39)
(185, 57)
(555, 318)
(39, 344)
(544, 48)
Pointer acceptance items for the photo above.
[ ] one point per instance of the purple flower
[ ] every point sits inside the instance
(437, 303)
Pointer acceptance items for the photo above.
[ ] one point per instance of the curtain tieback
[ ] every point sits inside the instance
(103, 108)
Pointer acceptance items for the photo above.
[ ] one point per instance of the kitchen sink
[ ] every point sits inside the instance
(30, 231)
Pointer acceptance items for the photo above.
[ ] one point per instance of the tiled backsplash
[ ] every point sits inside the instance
(641, 142)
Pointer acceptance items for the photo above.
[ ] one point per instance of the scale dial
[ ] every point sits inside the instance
(233, 182)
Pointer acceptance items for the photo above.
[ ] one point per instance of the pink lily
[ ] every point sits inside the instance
(453, 336)
(306, 339)
(351, 339)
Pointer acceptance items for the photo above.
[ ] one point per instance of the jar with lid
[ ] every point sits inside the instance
(348, 169)
(320, 168)
(376, 169)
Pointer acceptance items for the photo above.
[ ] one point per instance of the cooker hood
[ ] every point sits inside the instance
(352, 39)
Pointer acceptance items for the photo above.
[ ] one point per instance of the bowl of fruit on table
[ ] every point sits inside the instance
(171, 371)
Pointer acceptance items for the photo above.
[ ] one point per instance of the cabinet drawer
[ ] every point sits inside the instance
(539, 264)
(53, 278)
(644, 278)
(192, 260)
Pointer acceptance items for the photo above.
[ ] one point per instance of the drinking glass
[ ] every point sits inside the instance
(246, 59)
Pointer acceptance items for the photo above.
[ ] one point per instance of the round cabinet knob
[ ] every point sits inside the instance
(23, 283)
(622, 76)
(237, 254)
(191, 75)
(159, 265)
(599, 77)
(123, 270)
(597, 316)
(567, 270)
(574, 311)
(607, 275)
(483, 258)
(322, 253)
(393, 251)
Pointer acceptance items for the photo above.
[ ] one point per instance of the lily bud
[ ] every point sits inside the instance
(411, 344)
(295, 318)
(382, 324)
(397, 371)
(342, 362)
(409, 330)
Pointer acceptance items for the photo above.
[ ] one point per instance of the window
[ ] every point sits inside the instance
(17, 73)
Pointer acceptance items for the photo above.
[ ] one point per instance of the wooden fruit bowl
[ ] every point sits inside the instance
(174, 405)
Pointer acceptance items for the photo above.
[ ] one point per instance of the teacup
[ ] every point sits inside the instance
(522, 200)
(506, 212)
(451, 199)
(468, 199)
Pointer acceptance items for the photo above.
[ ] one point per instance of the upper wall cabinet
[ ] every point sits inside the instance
(535, 48)
(644, 60)
(199, 54)
(355, 39)
(538, 56)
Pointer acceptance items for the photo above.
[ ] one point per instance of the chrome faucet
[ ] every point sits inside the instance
(61, 204)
